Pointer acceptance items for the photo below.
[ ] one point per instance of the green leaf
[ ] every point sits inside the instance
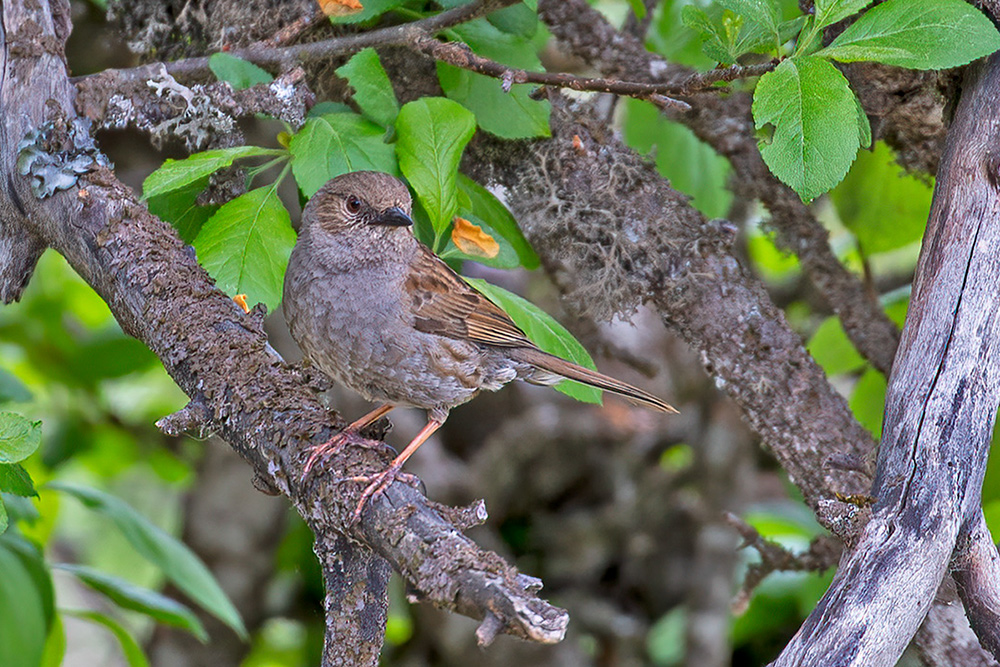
(372, 9)
(833, 350)
(245, 246)
(55, 644)
(765, 13)
(829, 12)
(790, 28)
(542, 329)
(674, 40)
(19, 437)
(431, 134)
(883, 206)
(23, 626)
(335, 144)
(864, 125)
(692, 166)
(919, 34)
(815, 119)
(36, 567)
(717, 44)
(638, 8)
(12, 389)
(490, 210)
(327, 107)
(372, 89)
(16, 480)
(521, 20)
(868, 401)
(509, 115)
(136, 598)
(180, 208)
(130, 647)
(109, 354)
(665, 641)
(237, 72)
(4, 521)
(20, 509)
(728, 34)
(175, 174)
(179, 564)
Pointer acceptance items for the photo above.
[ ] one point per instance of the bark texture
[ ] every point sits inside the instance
(940, 408)
(220, 357)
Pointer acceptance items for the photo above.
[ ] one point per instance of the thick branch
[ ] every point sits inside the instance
(976, 569)
(356, 604)
(940, 408)
(599, 213)
(19, 247)
(219, 356)
(726, 125)
(199, 114)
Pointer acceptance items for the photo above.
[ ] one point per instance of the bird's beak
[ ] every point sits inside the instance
(393, 217)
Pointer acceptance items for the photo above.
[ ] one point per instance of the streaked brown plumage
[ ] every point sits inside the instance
(379, 312)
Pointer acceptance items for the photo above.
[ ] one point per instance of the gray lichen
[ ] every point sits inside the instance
(52, 166)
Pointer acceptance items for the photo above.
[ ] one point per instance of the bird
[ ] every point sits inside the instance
(377, 311)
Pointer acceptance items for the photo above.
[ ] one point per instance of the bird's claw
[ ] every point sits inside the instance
(377, 484)
(331, 446)
(334, 445)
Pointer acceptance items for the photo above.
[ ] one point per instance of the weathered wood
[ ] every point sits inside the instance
(940, 408)
(613, 233)
(19, 247)
(976, 569)
(219, 356)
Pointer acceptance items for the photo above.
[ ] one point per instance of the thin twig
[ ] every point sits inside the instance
(419, 35)
(823, 553)
(284, 57)
(460, 55)
(705, 80)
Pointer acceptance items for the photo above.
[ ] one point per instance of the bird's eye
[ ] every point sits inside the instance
(353, 204)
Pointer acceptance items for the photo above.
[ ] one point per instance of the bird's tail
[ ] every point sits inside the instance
(567, 369)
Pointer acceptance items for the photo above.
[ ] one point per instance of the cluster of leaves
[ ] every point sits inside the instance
(78, 356)
(31, 631)
(245, 244)
(813, 120)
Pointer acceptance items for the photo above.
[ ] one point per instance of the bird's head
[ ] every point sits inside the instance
(364, 204)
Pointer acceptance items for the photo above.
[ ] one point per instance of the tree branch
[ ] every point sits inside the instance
(976, 569)
(200, 115)
(596, 211)
(219, 356)
(287, 57)
(460, 55)
(726, 125)
(823, 553)
(940, 408)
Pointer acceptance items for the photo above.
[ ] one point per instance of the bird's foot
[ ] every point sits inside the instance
(377, 484)
(334, 445)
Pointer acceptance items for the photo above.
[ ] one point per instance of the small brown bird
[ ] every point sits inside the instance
(377, 310)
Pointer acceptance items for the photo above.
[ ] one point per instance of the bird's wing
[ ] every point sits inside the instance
(446, 305)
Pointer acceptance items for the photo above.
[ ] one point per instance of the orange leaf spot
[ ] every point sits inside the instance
(472, 240)
(340, 7)
(241, 301)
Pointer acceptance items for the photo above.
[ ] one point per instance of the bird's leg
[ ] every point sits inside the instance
(378, 483)
(337, 441)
